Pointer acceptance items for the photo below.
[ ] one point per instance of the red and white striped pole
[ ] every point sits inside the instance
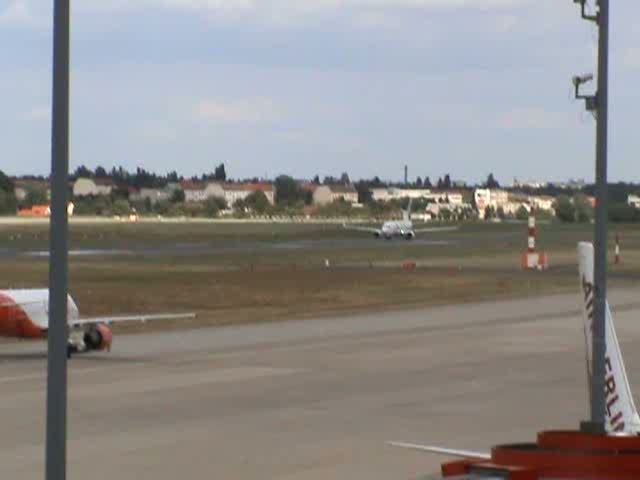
(532, 232)
(617, 260)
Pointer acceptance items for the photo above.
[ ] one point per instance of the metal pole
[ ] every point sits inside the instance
(600, 247)
(58, 270)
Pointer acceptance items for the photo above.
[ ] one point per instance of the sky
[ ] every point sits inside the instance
(299, 87)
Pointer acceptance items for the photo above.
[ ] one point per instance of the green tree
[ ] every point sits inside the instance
(121, 207)
(522, 213)
(337, 208)
(177, 196)
(489, 212)
(35, 196)
(220, 173)
(100, 205)
(565, 210)
(258, 202)
(623, 213)
(162, 207)
(213, 205)
(6, 184)
(288, 192)
(7, 203)
(491, 182)
(445, 214)
(142, 206)
(82, 172)
(584, 210)
(240, 207)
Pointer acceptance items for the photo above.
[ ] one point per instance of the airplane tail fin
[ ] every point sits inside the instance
(621, 413)
(406, 214)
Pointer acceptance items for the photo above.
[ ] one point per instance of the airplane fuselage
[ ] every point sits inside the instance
(399, 228)
(25, 313)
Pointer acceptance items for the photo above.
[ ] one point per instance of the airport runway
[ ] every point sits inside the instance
(311, 400)
(223, 248)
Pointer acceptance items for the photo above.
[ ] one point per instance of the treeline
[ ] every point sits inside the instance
(578, 209)
(115, 205)
(142, 178)
(8, 203)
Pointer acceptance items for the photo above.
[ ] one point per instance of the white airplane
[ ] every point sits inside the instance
(25, 314)
(620, 410)
(398, 228)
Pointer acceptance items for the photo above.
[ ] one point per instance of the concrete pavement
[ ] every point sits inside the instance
(312, 399)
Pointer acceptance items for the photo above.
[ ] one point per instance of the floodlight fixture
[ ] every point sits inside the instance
(583, 7)
(579, 80)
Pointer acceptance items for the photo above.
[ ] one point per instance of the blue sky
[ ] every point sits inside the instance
(465, 87)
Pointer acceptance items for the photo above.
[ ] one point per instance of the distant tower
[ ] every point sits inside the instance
(406, 175)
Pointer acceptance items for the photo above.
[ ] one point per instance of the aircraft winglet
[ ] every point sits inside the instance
(621, 414)
(442, 451)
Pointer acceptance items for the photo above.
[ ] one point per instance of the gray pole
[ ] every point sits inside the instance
(58, 271)
(600, 268)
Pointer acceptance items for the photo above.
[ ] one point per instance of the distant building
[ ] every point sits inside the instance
(84, 187)
(450, 197)
(154, 195)
(195, 191)
(496, 198)
(634, 201)
(456, 211)
(393, 193)
(325, 194)
(240, 191)
(542, 202)
(571, 184)
(533, 184)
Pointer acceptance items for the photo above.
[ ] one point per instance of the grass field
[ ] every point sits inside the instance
(232, 273)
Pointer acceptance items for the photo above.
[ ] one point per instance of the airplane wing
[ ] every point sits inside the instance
(436, 229)
(129, 318)
(361, 229)
(442, 451)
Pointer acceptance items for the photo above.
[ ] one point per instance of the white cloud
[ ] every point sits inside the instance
(222, 111)
(37, 113)
(284, 11)
(16, 13)
(532, 118)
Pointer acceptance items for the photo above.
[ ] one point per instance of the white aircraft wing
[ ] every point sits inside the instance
(361, 229)
(442, 451)
(436, 229)
(129, 318)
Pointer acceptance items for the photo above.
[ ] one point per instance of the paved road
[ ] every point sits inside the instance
(311, 399)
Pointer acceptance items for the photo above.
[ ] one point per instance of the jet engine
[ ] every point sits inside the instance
(409, 235)
(98, 337)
